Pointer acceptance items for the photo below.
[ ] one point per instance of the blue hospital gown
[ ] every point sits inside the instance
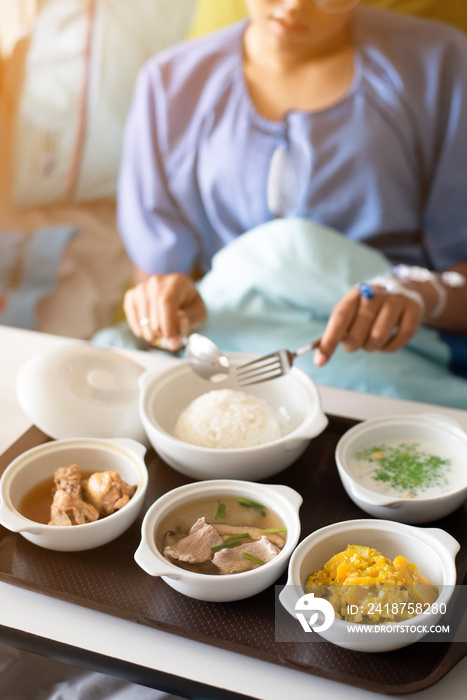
(386, 164)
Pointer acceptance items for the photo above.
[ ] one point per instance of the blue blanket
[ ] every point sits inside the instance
(275, 287)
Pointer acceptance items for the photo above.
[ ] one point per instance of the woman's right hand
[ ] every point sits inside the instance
(170, 303)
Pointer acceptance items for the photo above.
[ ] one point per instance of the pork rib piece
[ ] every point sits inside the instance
(107, 491)
(232, 561)
(67, 509)
(68, 479)
(195, 548)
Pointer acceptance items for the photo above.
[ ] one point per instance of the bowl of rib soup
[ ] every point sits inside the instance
(222, 539)
(74, 494)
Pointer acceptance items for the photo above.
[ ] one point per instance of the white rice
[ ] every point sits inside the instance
(228, 419)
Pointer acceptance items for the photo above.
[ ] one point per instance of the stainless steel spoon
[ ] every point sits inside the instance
(205, 358)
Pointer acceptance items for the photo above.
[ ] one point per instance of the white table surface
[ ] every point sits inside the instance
(70, 624)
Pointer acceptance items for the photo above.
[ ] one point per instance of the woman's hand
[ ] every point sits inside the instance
(167, 304)
(384, 323)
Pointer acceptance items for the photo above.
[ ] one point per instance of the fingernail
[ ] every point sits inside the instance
(319, 358)
(173, 343)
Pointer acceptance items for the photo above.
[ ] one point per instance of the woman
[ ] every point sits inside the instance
(353, 118)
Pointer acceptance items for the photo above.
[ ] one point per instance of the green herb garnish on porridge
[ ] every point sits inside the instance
(405, 467)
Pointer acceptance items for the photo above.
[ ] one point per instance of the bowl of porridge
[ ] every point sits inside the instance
(411, 468)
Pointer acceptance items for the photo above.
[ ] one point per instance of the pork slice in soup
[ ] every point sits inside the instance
(195, 548)
(225, 535)
(234, 561)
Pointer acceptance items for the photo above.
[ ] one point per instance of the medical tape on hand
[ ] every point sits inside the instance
(442, 298)
(421, 274)
(393, 286)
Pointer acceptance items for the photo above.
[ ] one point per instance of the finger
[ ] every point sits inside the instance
(339, 321)
(195, 310)
(180, 297)
(168, 306)
(408, 326)
(131, 313)
(142, 311)
(385, 323)
(183, 323)
(360, 328)
(151, 290)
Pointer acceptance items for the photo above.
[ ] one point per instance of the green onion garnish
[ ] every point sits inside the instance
(226, 545)
(226, 538)
(220, 513)
(178, 529)
(250, 504)
(257, 560)
(272, 530)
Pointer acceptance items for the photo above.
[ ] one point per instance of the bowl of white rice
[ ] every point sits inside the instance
(228, 419)
(226, 432)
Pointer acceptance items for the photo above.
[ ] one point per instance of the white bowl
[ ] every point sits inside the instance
(295, 397)
(284, 501)
(91, 454)
(437, 429)
(432, 550)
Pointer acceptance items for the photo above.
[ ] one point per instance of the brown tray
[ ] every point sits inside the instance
(107, 579)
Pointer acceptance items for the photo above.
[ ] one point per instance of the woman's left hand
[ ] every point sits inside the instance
(384, 323)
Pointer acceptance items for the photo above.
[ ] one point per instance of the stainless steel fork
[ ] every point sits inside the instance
(271, 366)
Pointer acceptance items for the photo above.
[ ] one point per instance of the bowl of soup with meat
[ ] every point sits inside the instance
(222, 539)
(74, 494)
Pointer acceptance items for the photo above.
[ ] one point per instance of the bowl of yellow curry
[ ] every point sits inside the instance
(372, 585)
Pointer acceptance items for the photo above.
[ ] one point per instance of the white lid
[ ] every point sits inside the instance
(82, 391)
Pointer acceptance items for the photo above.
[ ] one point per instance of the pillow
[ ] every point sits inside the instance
(80, 69)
